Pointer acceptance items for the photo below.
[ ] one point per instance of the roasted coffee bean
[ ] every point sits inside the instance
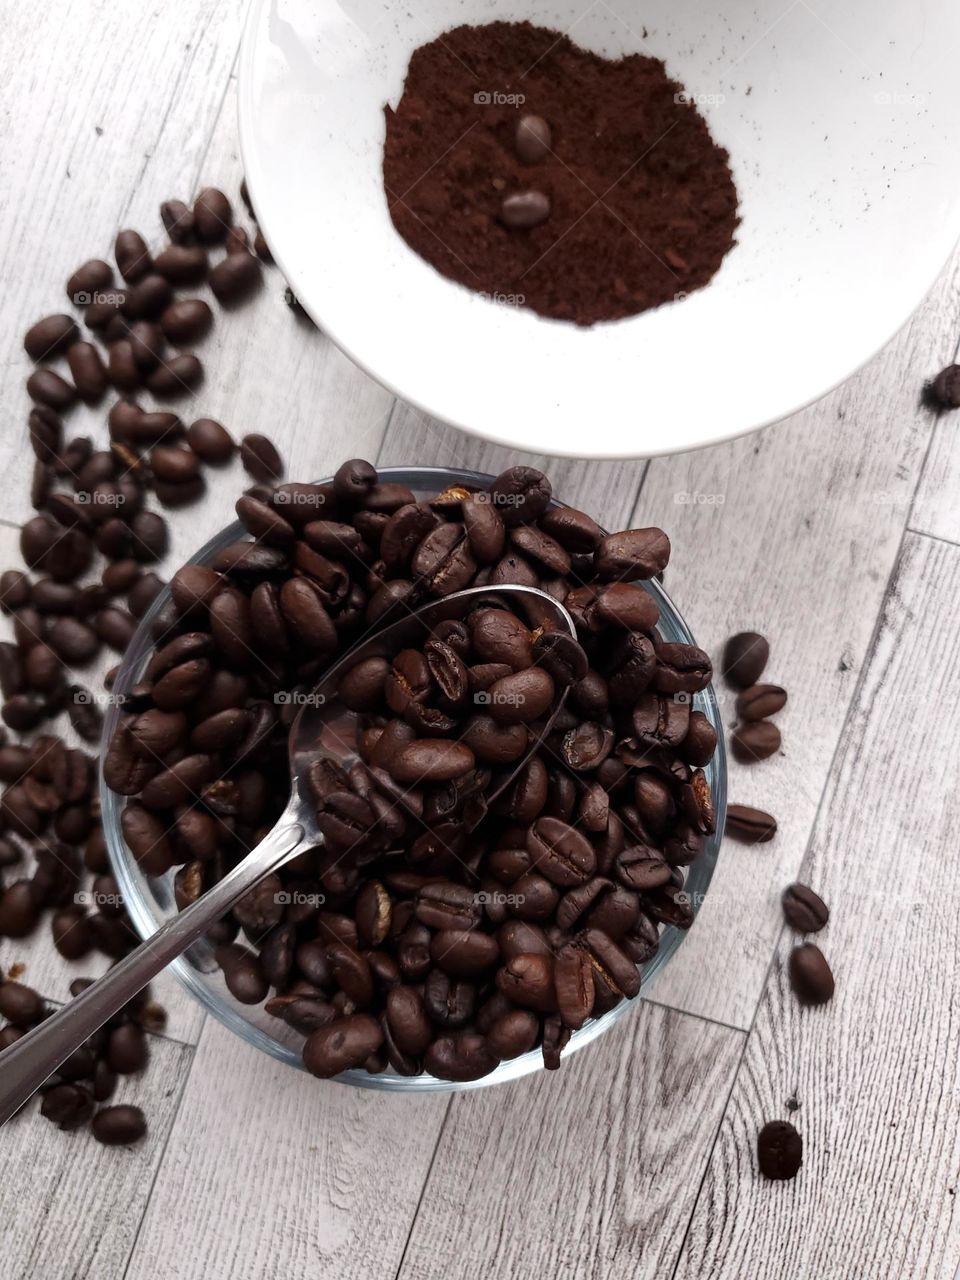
(462, 1056)
(804, 910)
(573, 976)
(513, 1033)
(533, 139)
(18, 914)
(760, 701)
(634, 553)
(242, 973)
(528, 981)
(757, 740)
(681, 668)
(235, 278)
(779, 1150)
(50, 337)
(147, 299)
(260, 458)
(342, 1045)
(448, 1001)
(560, 852)
(210, 441)
(524, 209)
(48, 388)
(20, 1004)
(119, 1126)
(127, 1049)
(177, 376)
(212, 216)
(744, 658)
(67, 1105)
(186, 321)
(132, 256)
(700, 743)
(484, 528)
(463, 953)
(520, 495)
(945, 388)
(752, 826)
(89, 279)
(430, 760)
(810, 974)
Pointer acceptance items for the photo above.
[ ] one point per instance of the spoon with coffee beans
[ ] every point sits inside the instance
(414, 720)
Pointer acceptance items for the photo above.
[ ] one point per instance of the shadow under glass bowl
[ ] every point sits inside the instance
(150, 900)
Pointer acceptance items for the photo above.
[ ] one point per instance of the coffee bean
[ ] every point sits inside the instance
(147, 299)
(634, 553)
(235, 278)
(760, 701)
(260, 458)
(91, 278)
(177, 376)
(182, 264)
(744, 658)
(810, 974)
(132, 256)
(342, 1045)
(178, 222)
(127, 1049)
(186, 321)
(755, 741)
(210, 441)
(779, 1150)
(945, 390)
(212, 216)
(50, 337)
(462, 1056)
(752, 826)
(67, 1105)
(804, 910)
(533, 139)
(524, 209)
(20, 1004)
(520, 495)
(119, 1126)
(48, 388)
(88, 372)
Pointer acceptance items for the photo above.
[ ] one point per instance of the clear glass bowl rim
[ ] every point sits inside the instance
(148, 914)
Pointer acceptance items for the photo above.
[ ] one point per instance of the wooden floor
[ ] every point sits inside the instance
(836, 533)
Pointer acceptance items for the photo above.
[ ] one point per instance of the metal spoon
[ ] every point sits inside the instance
(314, 733)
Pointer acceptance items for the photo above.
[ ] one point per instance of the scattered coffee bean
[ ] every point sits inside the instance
(810, 974)
(745, 658)
(803, 909)
(752, 826)
(132, 256)
(755, 741)
(50, 337)
(212, 216)
(945, 389)
(119, 1126)
(779, 1150)
(235, 278)
(260, 458)
(760, 701)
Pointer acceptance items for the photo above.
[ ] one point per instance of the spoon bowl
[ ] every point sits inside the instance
(322, 728)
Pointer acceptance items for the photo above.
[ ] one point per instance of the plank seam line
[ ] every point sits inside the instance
(423, 1189)
(696, 1017)
(839, 745)
(932, 537)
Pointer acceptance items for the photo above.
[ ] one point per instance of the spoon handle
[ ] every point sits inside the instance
(30, 1060)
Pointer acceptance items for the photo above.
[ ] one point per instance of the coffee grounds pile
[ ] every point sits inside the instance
(643, 206)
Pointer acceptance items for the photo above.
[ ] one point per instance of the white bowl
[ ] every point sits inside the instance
(842, 119)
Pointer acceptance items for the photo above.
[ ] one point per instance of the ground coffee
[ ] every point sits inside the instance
(535, 172)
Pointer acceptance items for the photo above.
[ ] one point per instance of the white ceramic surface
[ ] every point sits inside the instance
(842, 119)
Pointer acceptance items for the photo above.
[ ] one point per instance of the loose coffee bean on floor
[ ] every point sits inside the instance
(502, 198)
(745, 658)
(779, 1150)
(803, 909)
(810, 974)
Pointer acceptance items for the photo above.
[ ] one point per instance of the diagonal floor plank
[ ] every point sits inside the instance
(875, 1071)
(270, 1173)
(589, 1171)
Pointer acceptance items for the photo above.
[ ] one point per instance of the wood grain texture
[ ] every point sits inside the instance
(792, 532)
(271, 1172)
(69, 1206)
(589, 1171)
(936, 507)
(875, 1071)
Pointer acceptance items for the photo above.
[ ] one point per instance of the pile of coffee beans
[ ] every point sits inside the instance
(71, 1097)
(434, 931)
(91, 547)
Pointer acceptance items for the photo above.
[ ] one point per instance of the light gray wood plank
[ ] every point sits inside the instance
(606, 489)
(590, 1171)
(875, 1071)
(270, 1172)
(71, 1207)
(792, 532)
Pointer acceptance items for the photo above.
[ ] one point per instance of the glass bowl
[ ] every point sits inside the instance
(150, 900)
